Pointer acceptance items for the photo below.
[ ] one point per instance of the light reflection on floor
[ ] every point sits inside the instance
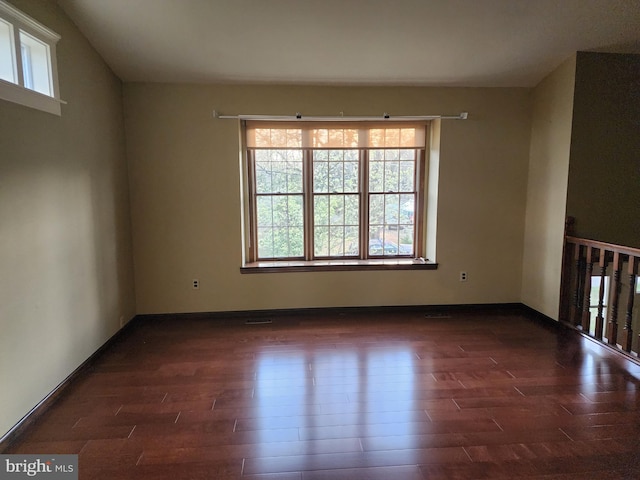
(325, 401)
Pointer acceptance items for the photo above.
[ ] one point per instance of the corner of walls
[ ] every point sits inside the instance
(551, 124)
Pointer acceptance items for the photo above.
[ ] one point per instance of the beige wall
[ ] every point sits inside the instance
(186, 204)
(547, 189)
(66, 272)
(604, 173)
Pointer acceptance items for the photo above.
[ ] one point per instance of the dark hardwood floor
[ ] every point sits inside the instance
(350, 396)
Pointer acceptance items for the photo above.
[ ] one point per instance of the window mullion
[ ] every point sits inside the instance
(253, 208)
(363, 157)
(17, 51)
(307, 190)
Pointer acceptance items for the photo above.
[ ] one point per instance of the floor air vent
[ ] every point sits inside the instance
(258, 321)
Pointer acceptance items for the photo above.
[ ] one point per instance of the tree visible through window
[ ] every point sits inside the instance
(339, 190)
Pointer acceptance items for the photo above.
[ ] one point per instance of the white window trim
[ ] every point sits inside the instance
(17, 93)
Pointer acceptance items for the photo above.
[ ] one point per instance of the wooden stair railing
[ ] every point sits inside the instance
(581, 257)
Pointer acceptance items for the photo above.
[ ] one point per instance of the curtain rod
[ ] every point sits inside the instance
(301, 118)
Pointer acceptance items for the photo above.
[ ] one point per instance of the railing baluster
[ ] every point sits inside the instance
(579, 257)
(628, 330)
(576, 305)
(586, 297)
(602, 262)
(614, 294)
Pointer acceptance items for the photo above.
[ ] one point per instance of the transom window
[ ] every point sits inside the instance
(28, 72)
(335, 190)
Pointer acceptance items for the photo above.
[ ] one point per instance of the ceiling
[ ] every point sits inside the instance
(366, 42)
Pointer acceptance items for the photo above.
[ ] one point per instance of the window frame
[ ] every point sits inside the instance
(17, 92)
(364, 260)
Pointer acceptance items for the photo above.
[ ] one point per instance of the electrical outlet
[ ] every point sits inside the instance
(463, 276)
(196, 284)
(121, 321)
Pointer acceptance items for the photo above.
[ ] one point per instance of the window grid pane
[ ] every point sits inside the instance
(394, 137)
(336, 225)
(278, 171)
(7, 60)
(392, 201)
(277, 137)
(335, 171)
(336, 210)
(280, 226)
(392, 170)
(334, 138)
(35, 64)
(391, 223)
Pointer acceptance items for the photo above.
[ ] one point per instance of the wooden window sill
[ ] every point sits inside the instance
(338, 265)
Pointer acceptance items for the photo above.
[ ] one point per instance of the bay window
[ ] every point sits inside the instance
(335, 190)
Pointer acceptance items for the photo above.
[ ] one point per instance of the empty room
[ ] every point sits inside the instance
(301, 240)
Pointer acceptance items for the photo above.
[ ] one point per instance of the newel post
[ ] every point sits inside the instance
(565, 274)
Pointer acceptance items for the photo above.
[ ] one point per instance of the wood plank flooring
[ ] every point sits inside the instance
(350, 396)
